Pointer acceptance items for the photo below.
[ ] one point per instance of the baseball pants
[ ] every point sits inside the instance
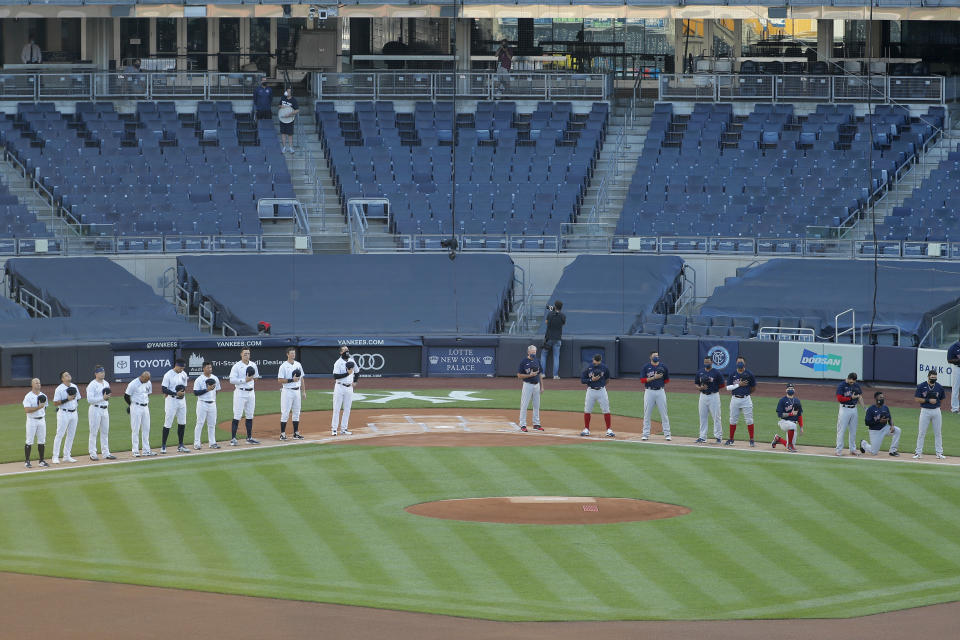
(206, 414)
(342, 399)
(99, 420)
(930, 418)
(174, 408)
(140, 428)
(847, 423)
(244, 402)
(66, 430)
(954, 398)
(655, 398)
(593, 397)
(876, 439)
(709, 406)
(36, 430)
(530, 393)
(741, 406)
(290, 401)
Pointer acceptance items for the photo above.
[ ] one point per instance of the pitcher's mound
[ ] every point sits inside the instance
(548, 510)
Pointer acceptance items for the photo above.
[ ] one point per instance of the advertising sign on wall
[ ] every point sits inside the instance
(825, 361)
(723, 354)
(934, 360)
(461, 361)
(129, 364)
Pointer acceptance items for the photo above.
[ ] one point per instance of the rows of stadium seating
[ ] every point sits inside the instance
(714, 174)
(16, 221)
(718, 326)
(513, 173)
(153, 172)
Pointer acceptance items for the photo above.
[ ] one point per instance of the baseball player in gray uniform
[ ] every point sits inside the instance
(529, 372)
(137, 395)
(929, 395)
(174, 388)
(292, 392)
(205, 387)
(848, 395)
(595, 377)
(65, 398)
(98, 414)
(243, 377)
(35, 405)
(345, 374)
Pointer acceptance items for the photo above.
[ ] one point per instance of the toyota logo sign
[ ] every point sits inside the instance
(369, 361)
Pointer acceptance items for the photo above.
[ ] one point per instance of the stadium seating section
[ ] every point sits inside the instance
(360, 294)
(16, 221)
(604, 295)
(711, 173)
(513, 174)
(153, 172)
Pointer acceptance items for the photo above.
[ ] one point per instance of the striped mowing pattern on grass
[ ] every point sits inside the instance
(768, 535)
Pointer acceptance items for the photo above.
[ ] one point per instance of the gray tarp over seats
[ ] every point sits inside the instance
(74, 330)
(354, 294)
(604, 294)
(10, 310)
(89, 287)
(909, 293)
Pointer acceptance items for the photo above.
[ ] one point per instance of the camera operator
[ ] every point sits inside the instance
(555, 319)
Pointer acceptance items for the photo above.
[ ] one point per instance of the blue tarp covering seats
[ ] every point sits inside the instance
(909, 292)
(10, 310)
(86, 329)
(604, 295)
(354, 294)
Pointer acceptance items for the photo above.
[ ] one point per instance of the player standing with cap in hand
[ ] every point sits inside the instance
(35, 405)
(174, 388)
(709, 381)
(790, 419)
(137, 395)
(595, 377)
(292, 391)
(205, 387)
(654, 376)
(98, 414)
(65, 398)
(345, 374)
(243, 377)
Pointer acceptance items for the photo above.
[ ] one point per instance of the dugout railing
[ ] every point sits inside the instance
(140, 85)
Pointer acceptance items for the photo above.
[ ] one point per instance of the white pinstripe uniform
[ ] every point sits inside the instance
(98, 416)
(290, 392)
(139, 393)
(36, 421)
(206, 409)
(342, 395)
(66, 420)
(244, 396)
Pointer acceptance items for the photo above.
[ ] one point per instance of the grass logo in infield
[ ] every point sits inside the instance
(817, 362)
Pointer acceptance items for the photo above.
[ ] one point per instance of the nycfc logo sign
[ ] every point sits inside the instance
(369, 361)
(720, 357)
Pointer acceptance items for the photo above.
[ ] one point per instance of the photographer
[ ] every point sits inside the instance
(555, 320)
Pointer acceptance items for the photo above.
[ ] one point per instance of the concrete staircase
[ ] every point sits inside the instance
(21, 187)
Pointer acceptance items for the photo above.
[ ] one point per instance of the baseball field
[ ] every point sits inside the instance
(768, 534)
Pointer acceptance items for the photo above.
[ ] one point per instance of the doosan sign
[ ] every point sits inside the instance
(825, 362)
(833, 361)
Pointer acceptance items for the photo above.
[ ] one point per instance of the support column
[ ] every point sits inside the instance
(875, 39)
(706, 49)
(84, 54)
(678, 41)
(737, 39)
(824, 40)
(464, 44)
(116, 44)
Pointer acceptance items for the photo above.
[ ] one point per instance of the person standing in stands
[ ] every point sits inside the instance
(504, 63)
(30, 54)
(555, 319)
(654, 376)
(65, 398)
(289, 108)
(35, 405)
(263, 100)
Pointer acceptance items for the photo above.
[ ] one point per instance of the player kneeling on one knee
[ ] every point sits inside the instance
(880, 423)
(595, 377)
(789, 418)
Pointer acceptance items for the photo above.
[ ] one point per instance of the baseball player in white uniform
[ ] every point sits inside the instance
(848, 395)
(137, 395)
(98, 414)
(243, 377)
(35, 405)
(345, 374)
(595, 377)
(292, 392)
(654, 376)
(529, 372)
(174, 388)
(205, 387)
(65, 398)
(930, 395)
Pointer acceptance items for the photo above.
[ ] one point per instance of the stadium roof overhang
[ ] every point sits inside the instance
(633, 9)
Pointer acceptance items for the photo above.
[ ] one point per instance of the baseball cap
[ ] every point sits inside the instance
(179, 362)
(99, 370)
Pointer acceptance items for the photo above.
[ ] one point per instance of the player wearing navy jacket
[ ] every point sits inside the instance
(953, 357)
(929, 395)
(741, 384)
(789, 418)
(848, 395)
(654, 376)
(529, 372)
(595, 377)
(880, 423)
(709, 381)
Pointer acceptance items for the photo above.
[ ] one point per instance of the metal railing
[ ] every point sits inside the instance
(771, 88)
(151, 244)
(412, 85)
(142, 85)
(37, 306)
(852, 329)
(357, 225)
(877, 329)
(786, 334)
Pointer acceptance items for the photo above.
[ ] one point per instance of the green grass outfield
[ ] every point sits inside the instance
(769, 535)
(820, 418)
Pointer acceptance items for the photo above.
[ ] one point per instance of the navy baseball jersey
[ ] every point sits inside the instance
(595, 370)
(530, 365)
(874, 417)
(845, 393)
(953, 353)
(650, 369)
(788, 405)
(736, 377)
(713, 380)
(926, 391)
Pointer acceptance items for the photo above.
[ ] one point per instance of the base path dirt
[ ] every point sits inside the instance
(548, 510)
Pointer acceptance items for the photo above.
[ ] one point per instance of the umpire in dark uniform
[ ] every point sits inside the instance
(555, 320)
